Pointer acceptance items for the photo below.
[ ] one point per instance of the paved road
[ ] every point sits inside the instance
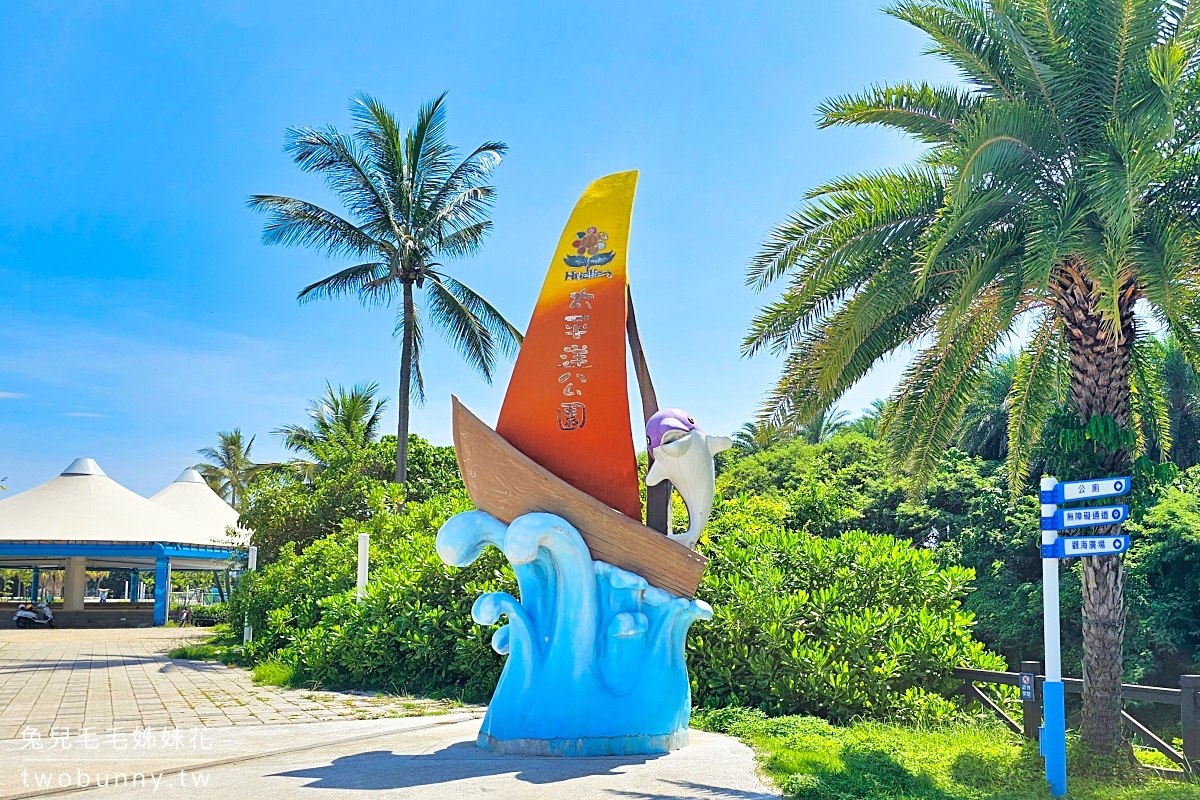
(78, 708)
(432, 758)
(118, 680)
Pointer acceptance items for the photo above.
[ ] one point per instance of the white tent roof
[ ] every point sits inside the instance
(85, 505)
(190, 496)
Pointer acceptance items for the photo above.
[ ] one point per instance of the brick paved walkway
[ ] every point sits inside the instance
(121, 679)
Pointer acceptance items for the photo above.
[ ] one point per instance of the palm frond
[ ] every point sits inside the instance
(343, 165)
(298, 223)
(930, 401)
(816, 372)
(1038, 387)
(368, 281)
(1152, 414)
(859, 217)
(927, 112)
(504, 333)
(474, 340)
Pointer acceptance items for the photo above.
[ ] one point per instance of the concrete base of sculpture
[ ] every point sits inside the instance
(588, 746)
(595, 654)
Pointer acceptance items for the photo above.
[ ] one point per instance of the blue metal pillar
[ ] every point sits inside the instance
(35, 584)
(135, 583)
(1052, 735)
(161, 571)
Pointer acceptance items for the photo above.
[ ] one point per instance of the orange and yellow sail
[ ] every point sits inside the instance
(567, 406)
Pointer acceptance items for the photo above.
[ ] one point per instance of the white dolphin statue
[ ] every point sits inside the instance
(683, 454)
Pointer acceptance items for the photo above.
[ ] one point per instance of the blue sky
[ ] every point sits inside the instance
(139, 312)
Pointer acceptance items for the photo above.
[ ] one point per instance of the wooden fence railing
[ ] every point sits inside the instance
(1186, 698)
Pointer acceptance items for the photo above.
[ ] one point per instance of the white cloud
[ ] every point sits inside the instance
(11, 395)
(83, 414)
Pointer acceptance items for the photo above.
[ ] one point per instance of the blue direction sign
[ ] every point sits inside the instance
(1070, 491)
(1065, 518)
(1080, 546)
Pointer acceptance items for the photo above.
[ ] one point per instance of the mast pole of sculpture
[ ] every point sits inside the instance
(658, 498)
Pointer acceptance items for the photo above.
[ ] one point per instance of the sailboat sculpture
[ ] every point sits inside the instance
(564, 442)
(595, 639)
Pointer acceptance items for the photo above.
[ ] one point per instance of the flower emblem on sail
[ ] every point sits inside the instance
(591, 249)
(590, 241)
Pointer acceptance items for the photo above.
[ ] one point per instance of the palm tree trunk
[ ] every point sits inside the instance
(1099, 358)
(404, 395)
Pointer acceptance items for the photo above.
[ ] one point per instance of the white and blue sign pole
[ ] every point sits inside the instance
(1052, 737)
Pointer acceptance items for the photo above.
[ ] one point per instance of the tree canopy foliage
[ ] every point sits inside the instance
(1057, 194)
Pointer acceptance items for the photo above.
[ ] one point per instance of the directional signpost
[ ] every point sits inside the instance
(1086, 517)
(1078, 546)
(1053, 733)
(1070, 491)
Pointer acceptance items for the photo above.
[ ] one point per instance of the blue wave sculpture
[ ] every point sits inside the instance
(595, 654)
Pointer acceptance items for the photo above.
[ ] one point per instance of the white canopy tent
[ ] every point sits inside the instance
(189, 496)
(85, 505)
(83, 518)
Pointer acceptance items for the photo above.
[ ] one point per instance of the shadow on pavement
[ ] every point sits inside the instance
(696, 790)
(82, 662)
(381, 769)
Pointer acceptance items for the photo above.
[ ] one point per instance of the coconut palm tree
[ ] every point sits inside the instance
(983, 431)
(411, 206)
(340, 421)
(1058, 194)
(228, 468)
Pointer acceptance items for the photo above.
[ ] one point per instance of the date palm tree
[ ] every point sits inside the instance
(228, 468)
(867, 423)
(411, 206)
(756, 436)
(824, 424)
(1181, 384)
(1058, 194)
(983, 431)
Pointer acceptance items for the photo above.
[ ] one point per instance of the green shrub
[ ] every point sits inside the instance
(206, 616)
(1163, 631)
(854, 625)
(412, 632)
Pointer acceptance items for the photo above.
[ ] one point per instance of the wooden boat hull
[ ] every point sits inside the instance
(506, 483)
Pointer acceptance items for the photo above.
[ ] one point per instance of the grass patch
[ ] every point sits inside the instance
(195, 652)
(1151, 757)
(208, 651)
(809, 758)
(225, 634)
(272, 673)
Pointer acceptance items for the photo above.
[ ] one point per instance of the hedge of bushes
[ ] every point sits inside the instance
(851, 625)
(856, 624)
(413, 631)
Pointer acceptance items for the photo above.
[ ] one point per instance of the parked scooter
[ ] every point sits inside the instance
(31, 614)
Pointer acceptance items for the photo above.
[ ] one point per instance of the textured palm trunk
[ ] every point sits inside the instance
(1099, 359)
(403, 395)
